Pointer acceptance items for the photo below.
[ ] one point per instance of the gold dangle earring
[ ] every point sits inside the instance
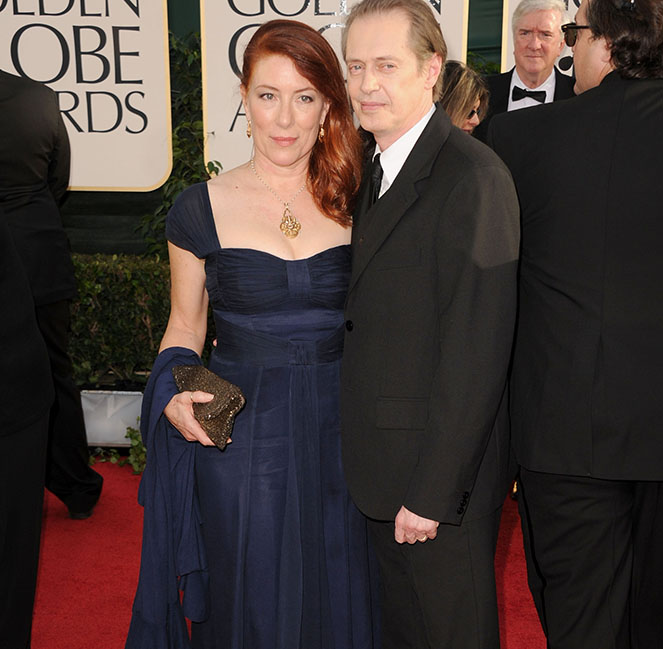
(248, 128)
(321, 134)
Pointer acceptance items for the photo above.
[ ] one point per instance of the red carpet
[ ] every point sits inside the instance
(519, 624)
(89, 569)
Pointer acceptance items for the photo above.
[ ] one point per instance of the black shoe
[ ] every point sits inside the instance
(80, 516)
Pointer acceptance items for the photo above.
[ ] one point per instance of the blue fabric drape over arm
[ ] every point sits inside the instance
(172, 556)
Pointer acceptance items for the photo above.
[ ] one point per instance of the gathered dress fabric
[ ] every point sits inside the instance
(287, 552)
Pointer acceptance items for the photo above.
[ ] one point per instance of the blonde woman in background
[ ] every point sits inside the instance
(465, 95)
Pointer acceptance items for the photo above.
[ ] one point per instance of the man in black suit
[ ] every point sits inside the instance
(26, 395)
(587, 383)
(537, 43)
(430, 315)
(34, 174)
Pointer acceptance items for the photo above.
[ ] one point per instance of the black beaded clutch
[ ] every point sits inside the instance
(218, 415)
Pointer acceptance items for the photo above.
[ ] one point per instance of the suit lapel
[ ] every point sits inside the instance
(501, 99)
(374, 224)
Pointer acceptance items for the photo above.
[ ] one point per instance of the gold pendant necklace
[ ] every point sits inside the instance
(290, 226)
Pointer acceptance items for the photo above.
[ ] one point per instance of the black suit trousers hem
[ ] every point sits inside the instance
(68, 473)
(22, 462)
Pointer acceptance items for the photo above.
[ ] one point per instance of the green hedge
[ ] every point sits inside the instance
(118, 318)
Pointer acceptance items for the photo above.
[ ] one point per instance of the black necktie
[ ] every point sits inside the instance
(520, 93)
(376, 179)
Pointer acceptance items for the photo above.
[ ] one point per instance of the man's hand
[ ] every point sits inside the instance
(411, 528)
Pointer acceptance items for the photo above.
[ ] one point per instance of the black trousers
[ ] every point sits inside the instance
(68, 474)
(22, 462)
(439, 594)
(647, 587)
(593, 550)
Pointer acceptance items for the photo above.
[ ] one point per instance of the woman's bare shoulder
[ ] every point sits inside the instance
(231, 180)
(229, 193)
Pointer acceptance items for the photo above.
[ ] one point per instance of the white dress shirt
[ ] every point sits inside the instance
(393, 157)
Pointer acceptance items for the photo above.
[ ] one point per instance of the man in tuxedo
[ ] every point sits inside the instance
(34, 174)
(537, 43)
(587, 379)
(430, 315)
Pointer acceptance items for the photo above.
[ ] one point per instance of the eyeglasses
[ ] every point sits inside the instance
(570, 31)
(473, 112)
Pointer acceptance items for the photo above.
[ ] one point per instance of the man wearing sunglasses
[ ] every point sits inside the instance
(587, 378)
(537, 43)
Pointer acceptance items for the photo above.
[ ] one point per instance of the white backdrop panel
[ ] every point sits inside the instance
(108, 62)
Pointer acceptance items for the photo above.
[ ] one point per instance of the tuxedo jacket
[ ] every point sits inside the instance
(430, 316)
(34, 173)
(498, 101)
(587, 383)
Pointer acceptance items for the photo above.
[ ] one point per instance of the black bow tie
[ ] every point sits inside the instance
(520, 93)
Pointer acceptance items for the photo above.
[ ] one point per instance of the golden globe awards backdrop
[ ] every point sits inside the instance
(226, 28)
(508, 62)
(107, 60)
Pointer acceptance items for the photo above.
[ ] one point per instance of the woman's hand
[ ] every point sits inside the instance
(179, 412)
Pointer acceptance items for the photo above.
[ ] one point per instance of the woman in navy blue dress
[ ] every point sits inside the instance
(267, 245)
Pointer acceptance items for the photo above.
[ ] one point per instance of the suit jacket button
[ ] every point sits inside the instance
(460, 510)
(361, 239)
(349, 325)
(466, 494)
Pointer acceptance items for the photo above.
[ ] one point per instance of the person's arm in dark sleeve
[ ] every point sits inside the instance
(477, 267)
(59, 165)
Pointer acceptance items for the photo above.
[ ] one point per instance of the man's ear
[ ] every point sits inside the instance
(605, 55)
(606, 52)
(433, 70)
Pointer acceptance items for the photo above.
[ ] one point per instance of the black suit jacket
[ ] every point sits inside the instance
(34, 173)
(498, 101)
(587, 382)
(430, 315)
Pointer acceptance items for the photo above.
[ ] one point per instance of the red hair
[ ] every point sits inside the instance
(334, 170)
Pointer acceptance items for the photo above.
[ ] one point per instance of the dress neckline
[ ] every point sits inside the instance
(269, 254)
(210, 214)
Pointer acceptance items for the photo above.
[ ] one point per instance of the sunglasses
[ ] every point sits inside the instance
(570, 31)
(473, 112)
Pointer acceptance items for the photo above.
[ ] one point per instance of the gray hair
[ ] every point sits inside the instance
(528, 6)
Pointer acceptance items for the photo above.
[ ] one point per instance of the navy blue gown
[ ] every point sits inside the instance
(287, 551)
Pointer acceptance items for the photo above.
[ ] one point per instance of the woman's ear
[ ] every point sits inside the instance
(325, 112)
(242, 92)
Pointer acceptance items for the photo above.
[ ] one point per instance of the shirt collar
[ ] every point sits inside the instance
(548, 86)
(394, 157)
